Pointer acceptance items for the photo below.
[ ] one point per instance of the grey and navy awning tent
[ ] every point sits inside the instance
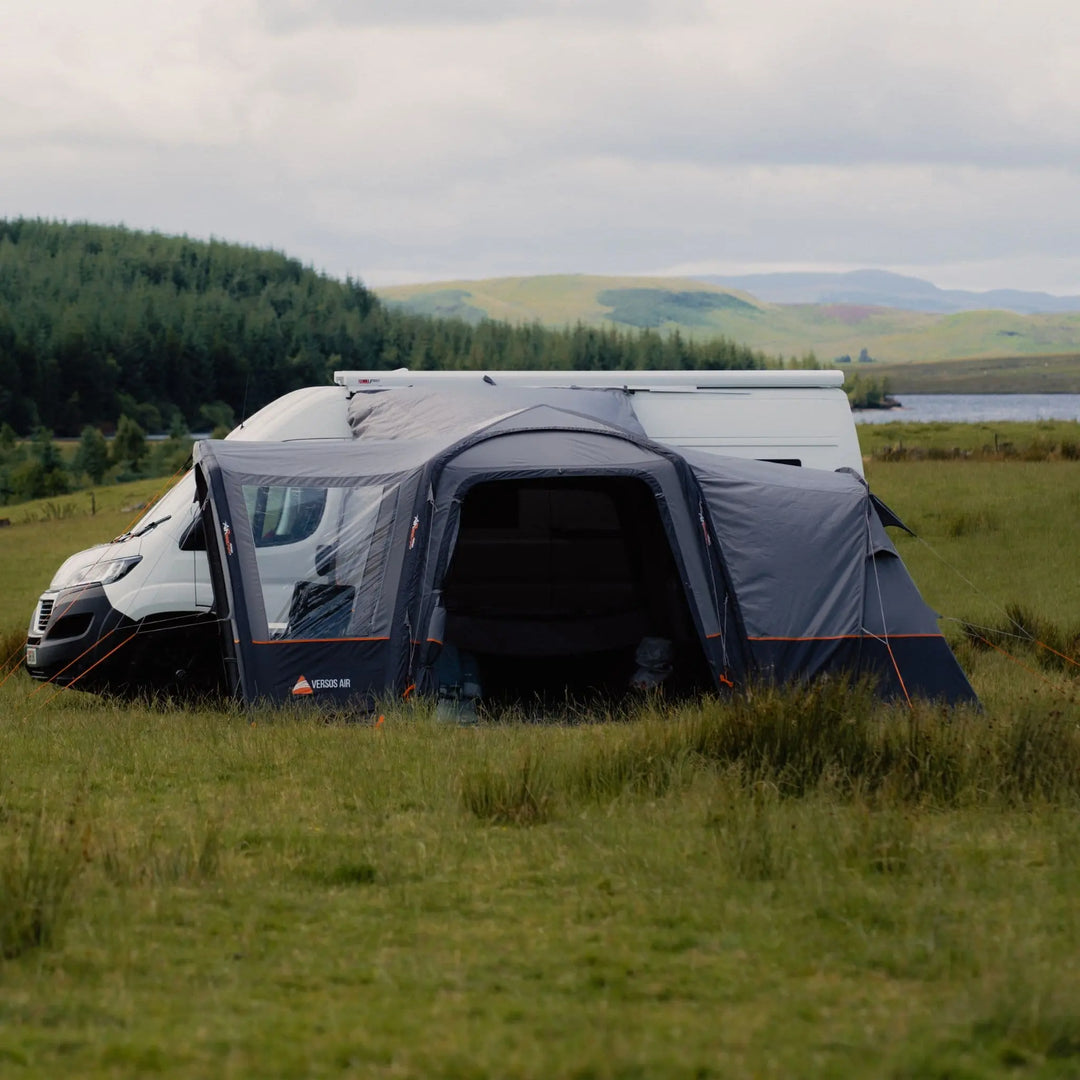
(541, 532)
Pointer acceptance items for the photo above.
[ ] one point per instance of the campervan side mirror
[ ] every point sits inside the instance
(325, 560)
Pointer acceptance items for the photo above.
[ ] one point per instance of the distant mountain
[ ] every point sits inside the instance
(881, 288)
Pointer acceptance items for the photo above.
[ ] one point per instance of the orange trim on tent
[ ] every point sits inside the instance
(314, 640)
(845, 637)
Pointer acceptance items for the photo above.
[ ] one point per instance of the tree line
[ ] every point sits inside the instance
(101, 322)
(38, 468)
(106, 331)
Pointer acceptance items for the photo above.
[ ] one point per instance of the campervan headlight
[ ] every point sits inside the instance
(102, 572)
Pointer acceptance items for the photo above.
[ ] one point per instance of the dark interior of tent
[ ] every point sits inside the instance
(554, 585)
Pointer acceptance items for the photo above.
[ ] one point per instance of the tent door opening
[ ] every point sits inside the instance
(555, 583)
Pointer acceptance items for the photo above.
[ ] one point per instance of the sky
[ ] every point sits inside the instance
(416, 140)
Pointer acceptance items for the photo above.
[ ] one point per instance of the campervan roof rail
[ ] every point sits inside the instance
(628, 380)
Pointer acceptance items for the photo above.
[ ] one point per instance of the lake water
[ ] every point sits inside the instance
(974, 408)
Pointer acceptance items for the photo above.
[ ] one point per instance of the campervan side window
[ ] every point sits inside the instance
(283, 515)
(320, 554)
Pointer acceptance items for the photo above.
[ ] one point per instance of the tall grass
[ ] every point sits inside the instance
(518, 792)
(1050, 643)
(40, 859)
(12, 643)
(832, 735)
(153, 860)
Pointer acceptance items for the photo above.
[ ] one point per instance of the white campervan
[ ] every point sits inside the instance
(137, 613)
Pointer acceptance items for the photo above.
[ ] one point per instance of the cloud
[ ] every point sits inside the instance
(423, 139)
(837, 85)
(285, 16)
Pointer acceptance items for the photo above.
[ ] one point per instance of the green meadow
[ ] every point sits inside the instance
(1028, 440)
(1050, 374)
(788, 883)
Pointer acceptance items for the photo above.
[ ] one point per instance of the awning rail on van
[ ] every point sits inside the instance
(628, 380)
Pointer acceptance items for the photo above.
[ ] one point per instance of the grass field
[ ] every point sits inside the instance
(806, 884)
(1051, 374)
(1034, 440)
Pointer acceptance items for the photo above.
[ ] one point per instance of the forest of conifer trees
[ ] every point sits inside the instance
(99, 322)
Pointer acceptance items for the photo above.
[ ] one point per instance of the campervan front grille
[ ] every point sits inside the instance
(44, 613)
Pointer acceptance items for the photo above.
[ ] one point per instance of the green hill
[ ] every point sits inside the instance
(700, 310)
(99, 322)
